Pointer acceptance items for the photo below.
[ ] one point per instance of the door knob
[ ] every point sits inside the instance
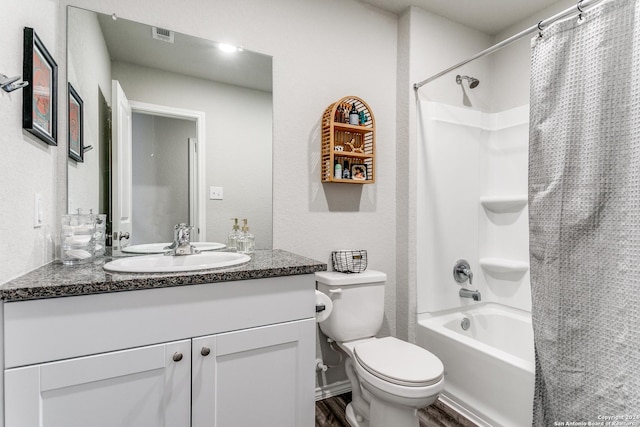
(177, 357)
(205, 351)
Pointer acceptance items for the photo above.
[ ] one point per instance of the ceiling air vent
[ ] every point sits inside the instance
(162, 34)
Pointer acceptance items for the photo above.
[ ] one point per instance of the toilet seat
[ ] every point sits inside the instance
(399, 362)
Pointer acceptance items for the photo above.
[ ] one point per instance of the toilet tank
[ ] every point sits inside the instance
(358, 303)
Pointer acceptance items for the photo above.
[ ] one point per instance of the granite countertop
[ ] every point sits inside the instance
(57, 280)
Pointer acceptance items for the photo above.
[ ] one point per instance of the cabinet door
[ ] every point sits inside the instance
(142, 387)
(255, 377)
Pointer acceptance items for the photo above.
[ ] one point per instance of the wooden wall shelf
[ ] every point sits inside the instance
(344, 143)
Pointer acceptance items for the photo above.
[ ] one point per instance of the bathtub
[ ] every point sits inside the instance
(489, 368)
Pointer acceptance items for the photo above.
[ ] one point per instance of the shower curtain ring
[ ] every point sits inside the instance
(540, 29)
(579, 6)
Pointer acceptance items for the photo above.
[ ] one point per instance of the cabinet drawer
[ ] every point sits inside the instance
(59, 328)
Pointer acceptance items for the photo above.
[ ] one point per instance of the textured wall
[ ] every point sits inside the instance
(27, 165)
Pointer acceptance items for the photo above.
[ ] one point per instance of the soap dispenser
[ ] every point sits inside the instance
(232, 240)
(246, 240)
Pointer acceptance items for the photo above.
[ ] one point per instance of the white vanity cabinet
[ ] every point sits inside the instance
(259, 370)
(225, 354)
(123, 388)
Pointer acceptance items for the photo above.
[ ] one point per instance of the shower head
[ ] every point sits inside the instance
(473, 82)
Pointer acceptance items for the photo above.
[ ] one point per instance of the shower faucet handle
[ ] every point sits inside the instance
(462, 271)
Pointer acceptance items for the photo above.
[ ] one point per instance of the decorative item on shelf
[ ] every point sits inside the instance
(354, 116)
(339, 116)
(354, 146)
(39, 103)
(348, 134)
(75, 135)
(346, 173)
(337, 172)
(9, 84)
(349, 261)
(363, 118)
(359, 172)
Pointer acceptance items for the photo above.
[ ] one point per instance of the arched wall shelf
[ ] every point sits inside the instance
(348, 144)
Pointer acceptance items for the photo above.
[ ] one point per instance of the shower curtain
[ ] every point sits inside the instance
(584, 215)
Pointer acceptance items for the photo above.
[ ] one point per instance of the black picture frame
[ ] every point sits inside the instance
(40, 97)
(75, 125)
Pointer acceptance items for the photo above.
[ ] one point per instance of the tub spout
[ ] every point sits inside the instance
(468, 293)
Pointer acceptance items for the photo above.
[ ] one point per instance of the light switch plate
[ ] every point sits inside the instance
(215, 193)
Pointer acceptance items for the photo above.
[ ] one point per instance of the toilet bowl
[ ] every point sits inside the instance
(390, 378)
(397, 378)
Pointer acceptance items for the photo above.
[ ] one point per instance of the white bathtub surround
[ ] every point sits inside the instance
(472, 204)
(489, 367)
(584, 185)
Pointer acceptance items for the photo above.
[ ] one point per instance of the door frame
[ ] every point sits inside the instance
(199, 118)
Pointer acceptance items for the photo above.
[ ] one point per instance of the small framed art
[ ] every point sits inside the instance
(359, 172)
(75, 126)
(39, 101)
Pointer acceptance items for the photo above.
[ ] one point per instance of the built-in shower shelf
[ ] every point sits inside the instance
(504, 265)
(502, 204)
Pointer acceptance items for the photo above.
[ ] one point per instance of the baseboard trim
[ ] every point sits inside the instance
(463, 411)
(334, 389)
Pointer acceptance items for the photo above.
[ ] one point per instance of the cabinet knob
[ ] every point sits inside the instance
(205, 351)
(177, 357)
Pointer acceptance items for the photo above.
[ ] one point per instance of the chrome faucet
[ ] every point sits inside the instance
(462, 271)
(181, 242)
(468, 293)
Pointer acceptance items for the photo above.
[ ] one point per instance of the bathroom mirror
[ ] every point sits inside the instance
(201, 125)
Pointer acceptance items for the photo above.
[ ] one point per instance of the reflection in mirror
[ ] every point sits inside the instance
(198, 117)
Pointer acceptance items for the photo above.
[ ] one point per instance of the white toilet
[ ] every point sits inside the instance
(390, 379)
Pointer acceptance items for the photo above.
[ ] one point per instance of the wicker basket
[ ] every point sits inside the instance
(349, 261)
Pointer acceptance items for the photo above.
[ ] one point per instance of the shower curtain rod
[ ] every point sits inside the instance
(579, 8)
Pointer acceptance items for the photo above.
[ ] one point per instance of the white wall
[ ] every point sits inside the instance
(510, 66)
(238, 143)
(27, 165)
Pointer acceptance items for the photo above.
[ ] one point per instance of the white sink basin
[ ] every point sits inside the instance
(158, 248)
(172, 263)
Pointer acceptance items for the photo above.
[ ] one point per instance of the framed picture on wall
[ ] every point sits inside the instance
(39, 100)
(359, 172)
(75, 125)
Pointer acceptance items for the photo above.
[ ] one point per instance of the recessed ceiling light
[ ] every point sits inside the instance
(227, 47)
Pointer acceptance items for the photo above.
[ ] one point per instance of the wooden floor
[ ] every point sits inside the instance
(330, 413)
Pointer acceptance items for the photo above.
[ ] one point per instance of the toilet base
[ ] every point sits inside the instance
(384, 414)
(352, 418)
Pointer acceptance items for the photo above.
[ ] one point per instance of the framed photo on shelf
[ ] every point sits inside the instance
(39, 100)
(75, 126)
(359, 172)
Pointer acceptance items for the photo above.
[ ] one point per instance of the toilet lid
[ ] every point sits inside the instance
(399, 362)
